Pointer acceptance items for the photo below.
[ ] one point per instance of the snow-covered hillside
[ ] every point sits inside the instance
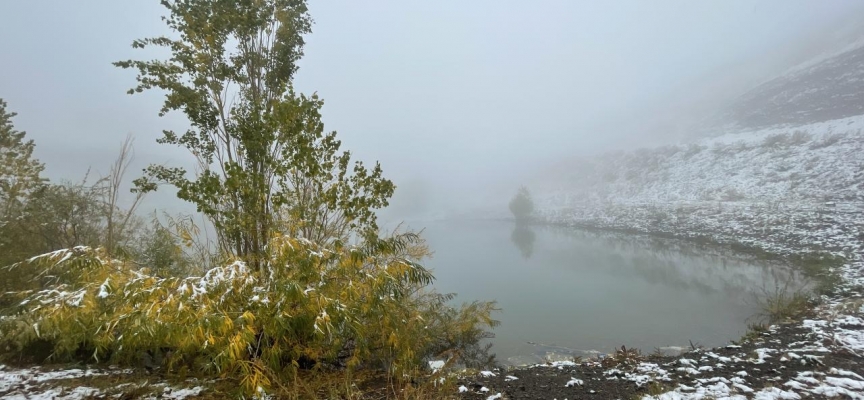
(809, 164)
(824, 88)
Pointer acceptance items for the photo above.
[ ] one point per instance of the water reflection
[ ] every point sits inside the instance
(705, 269)
(569, 291)
(523, 238)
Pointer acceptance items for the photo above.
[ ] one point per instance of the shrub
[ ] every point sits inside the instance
(821, 269)
(346, 306)
(785, 304)
(692, 150)
(732, 194)
(785, 140)
(776, 140)
(827, 141)
(521, 205)
(799, 138)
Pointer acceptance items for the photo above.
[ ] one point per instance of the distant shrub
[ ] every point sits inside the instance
(522, 206)
(721, 149)
(783, 167)
(826, 141)
(692, 150)
(732, 194)
(741, 146)
(774, 141)
(780, 140)
(795, 180)
(799, 138)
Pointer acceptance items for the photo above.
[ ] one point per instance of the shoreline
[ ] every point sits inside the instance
(817, 355)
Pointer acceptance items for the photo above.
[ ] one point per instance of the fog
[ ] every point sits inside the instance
(460, 101)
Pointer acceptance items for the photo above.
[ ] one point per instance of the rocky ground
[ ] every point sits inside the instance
(811, 359)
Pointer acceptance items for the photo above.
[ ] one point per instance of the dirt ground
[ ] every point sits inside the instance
(780, 357)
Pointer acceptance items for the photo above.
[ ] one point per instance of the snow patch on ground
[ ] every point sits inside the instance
(43, 384)
(436, 365)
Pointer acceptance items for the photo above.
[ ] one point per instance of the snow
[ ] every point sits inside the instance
(81, 392)
(688, 370)
(845, 383)
(722, 359)
(841, 372)
(556, 364)
(574, 382)
(487, 374)
(644, 373)
(103, 289)
(436, 365)
(775, 393)
(818, 164)
(833, 383)
(761, 355)
(742, 387)
(720, 390)
(182, 393)
(42, 384)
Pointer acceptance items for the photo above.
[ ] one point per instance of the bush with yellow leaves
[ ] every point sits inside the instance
(341, 307)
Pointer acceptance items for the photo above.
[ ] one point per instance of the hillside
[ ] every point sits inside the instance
(825, 88)
(795, 139)
(811, 163)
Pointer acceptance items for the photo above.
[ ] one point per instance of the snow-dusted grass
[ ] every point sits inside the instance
(783, 166)
(64, 384)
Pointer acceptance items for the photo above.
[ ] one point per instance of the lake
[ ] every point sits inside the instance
(566, 292)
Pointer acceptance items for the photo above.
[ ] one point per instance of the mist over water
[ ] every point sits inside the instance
(567, 293)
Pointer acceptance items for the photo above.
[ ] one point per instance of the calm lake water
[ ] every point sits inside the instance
(567, 292)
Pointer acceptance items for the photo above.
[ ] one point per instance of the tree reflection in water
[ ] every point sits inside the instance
(523, 238)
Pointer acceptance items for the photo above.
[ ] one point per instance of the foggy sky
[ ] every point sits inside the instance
(445, 94)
